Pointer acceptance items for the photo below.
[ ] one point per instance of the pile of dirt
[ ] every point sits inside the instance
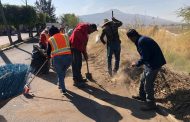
(174, 88)
(171, 89)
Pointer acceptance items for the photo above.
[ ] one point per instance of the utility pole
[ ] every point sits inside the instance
(25, 1)
(5, 23)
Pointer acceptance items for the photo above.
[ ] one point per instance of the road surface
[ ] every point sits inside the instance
(4, 39)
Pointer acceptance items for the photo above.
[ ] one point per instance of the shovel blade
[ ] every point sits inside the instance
(89, 76)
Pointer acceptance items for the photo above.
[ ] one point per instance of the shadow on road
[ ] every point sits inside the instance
(32, 40)
(120, 101)
(2, 119)
(94, 110)
(180, 101)
(22, 50)
(31, 96)
(52, 76)
(3, 103)
(4, 57)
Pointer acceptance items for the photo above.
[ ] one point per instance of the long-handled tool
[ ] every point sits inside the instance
(27, 86)
(88, 74)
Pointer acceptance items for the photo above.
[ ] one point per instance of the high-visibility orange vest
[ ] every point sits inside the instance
(59, 45)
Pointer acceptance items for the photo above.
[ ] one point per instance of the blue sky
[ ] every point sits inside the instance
(158, 8)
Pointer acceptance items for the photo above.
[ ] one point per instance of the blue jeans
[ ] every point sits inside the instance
(113, 49)
(146, 89)
(61, 64)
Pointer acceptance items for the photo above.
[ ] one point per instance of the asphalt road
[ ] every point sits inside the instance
(4, 39)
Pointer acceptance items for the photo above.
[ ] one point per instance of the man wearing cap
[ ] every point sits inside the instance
(110, 30)
(78, 41)
(153, 59)
(44, 36)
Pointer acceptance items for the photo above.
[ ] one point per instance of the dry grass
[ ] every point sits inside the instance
(174, 46)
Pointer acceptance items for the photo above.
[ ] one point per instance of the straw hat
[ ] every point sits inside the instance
(106, 21)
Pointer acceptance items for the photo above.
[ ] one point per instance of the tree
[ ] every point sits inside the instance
(45, 6)
(41, 22)
(10, 12)
(5, 23)
(184, 12)
(25, 15)
(29, 17)
(70, 20)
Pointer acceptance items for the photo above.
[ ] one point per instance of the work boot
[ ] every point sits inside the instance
(83, 80)
(63, 91)
(79, 84)
(139, 98)
(114, 72)
(110, 72)
(80, 80)
(149, 107)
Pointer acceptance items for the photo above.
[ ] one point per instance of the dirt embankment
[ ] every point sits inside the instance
(172, 89)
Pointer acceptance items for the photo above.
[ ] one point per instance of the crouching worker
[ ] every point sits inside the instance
(59, 49)
(44, 36)
(153, 59)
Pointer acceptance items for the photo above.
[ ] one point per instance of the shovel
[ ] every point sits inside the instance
(88, 74)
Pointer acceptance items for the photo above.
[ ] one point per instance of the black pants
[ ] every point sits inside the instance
(76, 64)
(113, 49)
(146, 89)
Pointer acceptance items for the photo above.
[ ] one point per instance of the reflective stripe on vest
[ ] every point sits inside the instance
(56, 50)
(54, 44)
(62, 50)
(67, 40)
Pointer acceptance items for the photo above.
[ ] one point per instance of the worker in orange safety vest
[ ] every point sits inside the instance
(60, 52)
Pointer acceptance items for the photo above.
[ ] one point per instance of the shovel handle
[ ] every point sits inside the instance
(87, 66)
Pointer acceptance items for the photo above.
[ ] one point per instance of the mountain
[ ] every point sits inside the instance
(125, 18)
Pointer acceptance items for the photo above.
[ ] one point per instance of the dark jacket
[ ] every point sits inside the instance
(150, 52)
(110, 30)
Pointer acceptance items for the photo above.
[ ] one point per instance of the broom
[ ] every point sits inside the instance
(12, 80)
(27, 86)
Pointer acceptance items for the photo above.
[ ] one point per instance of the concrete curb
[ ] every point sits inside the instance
(11, 46)
(17, 44)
